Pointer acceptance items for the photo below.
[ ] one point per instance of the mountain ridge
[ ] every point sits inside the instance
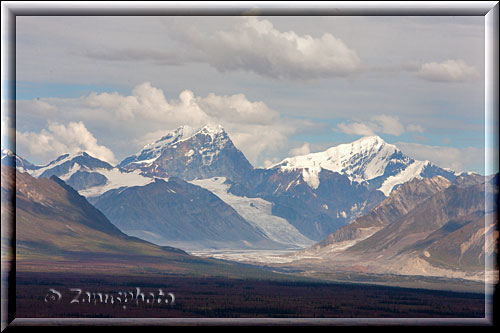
(368, 159)
(443, 230)
(315, 194)
(57, 230)
(401, 201)
(177, 212)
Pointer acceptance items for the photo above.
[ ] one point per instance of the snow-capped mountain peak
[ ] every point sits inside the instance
(15, 161)
(64, 158)
(68, 164)
(185, 132)
(150, 152)
(369, 159)
(7, 152)
(180, 133)
(84, 172)
(191, 153)
(368, 141)
(361, 160)
(213, 129)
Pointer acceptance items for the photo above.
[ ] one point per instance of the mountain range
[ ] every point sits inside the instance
(194, 188)
(58, 230)
(425, 227)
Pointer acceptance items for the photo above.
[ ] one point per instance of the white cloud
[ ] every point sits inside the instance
(255, 45)
(237, 108)
(377, 124)
(146, 114)
(303, 150)
(8, 131)
(270, 162)
(356, 129)
(60, 139)
(447, 71)
(389, 125)
(457, 159)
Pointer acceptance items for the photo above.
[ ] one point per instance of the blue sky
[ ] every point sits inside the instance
(112, 84)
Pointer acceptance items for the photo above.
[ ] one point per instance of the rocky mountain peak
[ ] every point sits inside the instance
(150, 152)
(13, 160)
(369, 141)
(191, 153)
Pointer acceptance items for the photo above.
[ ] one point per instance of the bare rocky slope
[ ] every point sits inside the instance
(426, 227)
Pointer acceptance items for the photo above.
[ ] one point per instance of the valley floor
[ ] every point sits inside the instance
(285, 261)
(198, 297)
(258, 257)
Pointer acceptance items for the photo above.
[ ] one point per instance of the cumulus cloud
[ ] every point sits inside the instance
(355, 129)
(8, 130)
(303, 150)
(239, 107)
(377, 124)
(146, 114)
(457, 159)
(255, 45)
(447, 71)
(270, 162)
(389, 125)
(60, 139)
